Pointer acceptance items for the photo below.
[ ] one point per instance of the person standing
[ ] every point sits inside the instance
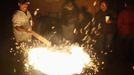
(105, 19)
(22, 25)
(105, 30)
(22, 22)
(125, 28)
(69, 20)
(83, 26)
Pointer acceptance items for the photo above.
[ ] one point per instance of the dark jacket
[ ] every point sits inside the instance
(100, 19)
(125, 24)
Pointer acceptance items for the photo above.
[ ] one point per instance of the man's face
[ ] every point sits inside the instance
(69, 6)
(23, 7)
(103, 6)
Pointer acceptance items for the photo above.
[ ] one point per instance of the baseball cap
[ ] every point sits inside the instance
(24, 1)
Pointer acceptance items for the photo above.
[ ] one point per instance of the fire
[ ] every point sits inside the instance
(52, 61)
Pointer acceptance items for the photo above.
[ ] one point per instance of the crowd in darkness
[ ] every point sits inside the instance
(112, 27)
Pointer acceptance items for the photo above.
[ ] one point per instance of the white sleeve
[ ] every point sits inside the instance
(16, 20)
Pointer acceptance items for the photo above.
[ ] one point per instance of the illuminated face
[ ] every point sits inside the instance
(23, 7)
(69, 6)
(103, 6)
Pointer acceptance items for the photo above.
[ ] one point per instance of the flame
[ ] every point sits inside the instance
(70, 60)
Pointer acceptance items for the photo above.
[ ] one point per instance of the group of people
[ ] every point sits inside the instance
(73, 21)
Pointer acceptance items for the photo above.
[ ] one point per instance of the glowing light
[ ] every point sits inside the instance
(70, 60)
(94, 4)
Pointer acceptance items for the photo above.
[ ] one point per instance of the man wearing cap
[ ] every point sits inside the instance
(22, 22)
(21, 28)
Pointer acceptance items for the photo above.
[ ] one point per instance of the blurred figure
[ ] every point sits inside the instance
(69, 20)
(104, 29)
(106, 21)
(125, 29)
(84, 18)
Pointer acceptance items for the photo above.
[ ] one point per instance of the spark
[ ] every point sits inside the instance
(95, 2)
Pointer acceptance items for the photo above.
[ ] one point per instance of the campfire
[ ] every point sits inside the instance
(66, 61)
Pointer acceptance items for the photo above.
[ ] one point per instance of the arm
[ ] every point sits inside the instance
(21, 28)
(18, 23)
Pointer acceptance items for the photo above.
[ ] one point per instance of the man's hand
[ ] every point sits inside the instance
(28, 30)
(23, 29)
(20, 28)
(109, 22)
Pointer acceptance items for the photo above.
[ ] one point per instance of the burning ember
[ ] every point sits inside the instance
(64, 61)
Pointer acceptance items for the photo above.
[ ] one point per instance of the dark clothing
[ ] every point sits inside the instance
(125, 28)
(107, 30)
(86, 19)
(126, 23)
(69, 21)
(100, 18)
(83, 23)
(69, 16)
